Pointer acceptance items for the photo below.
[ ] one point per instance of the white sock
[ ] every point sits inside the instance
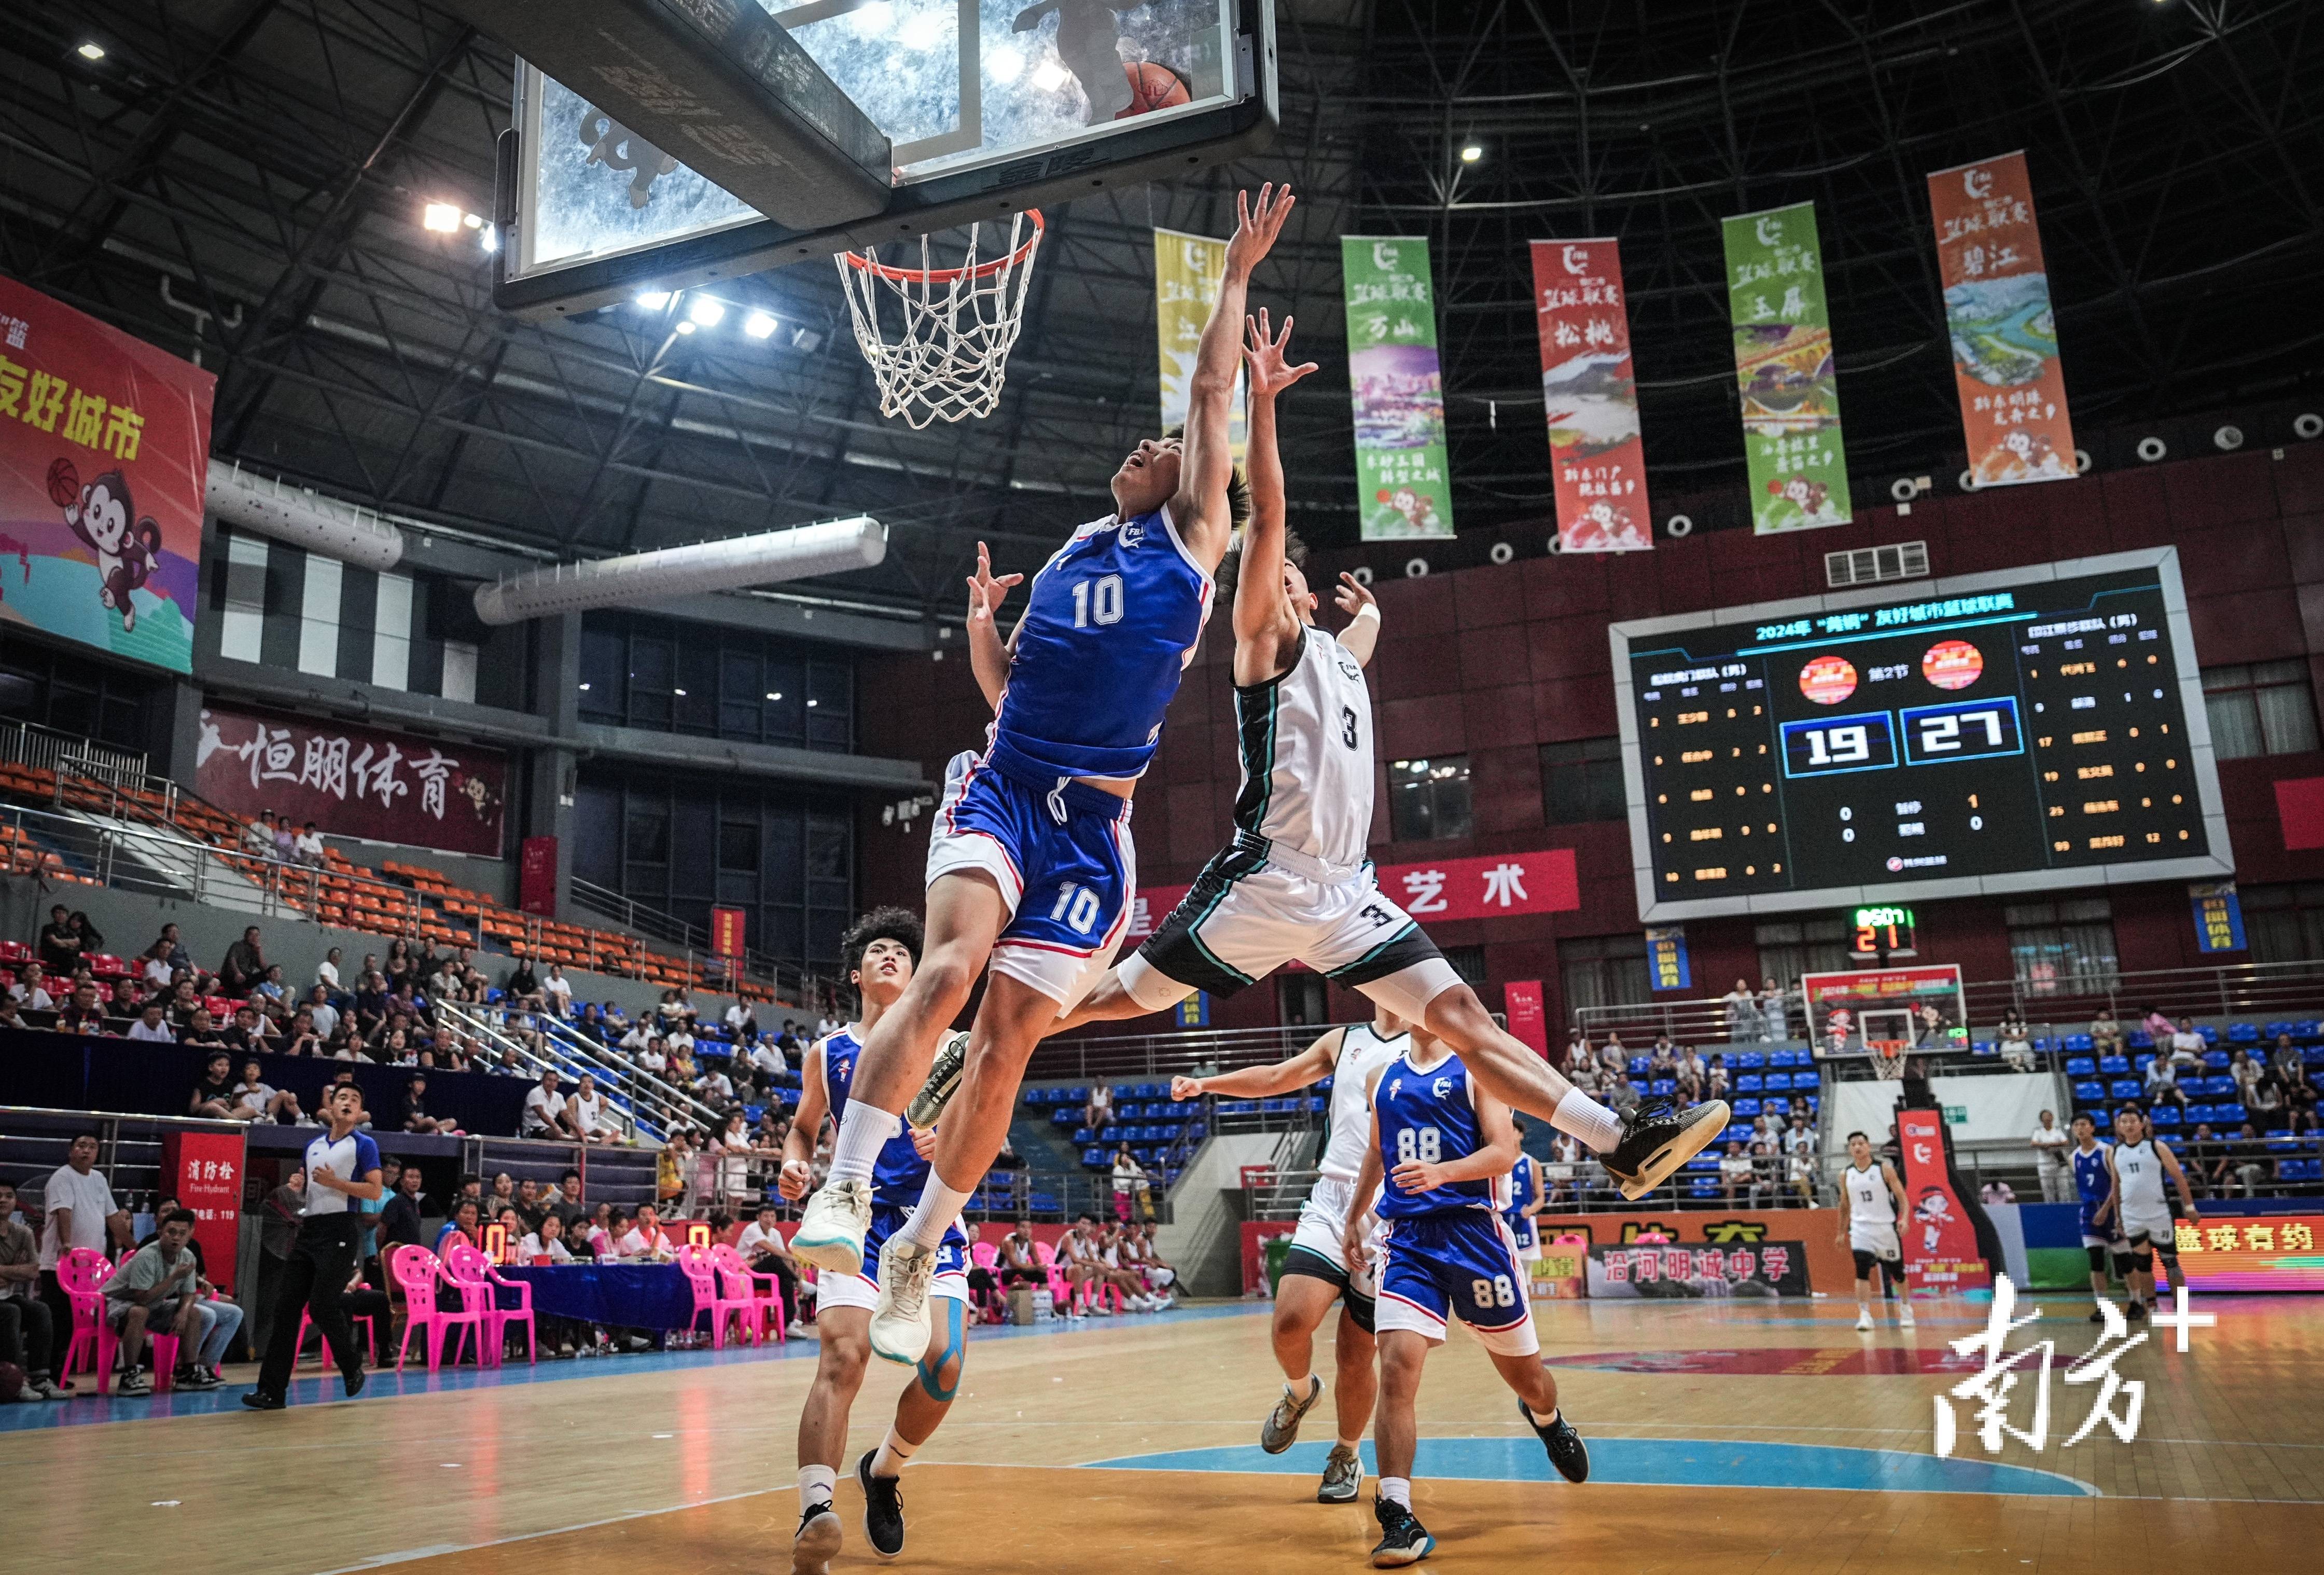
(864, 1130)
(893, 1452)
(939, 1206)
(1541, 1421)
(1397, 1490)
(1598, 1127)
(816, 1484)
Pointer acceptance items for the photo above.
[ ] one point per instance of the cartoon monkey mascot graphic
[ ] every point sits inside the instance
(105, 517)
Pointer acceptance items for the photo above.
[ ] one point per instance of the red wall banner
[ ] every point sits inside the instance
(535, 877)
(2005, 335)
(1521, 999)
(1489, 887)
(203, 1171)
(354, 781)
(1939, 1244)
(105, 444)
(1598, 458)
(726, 931)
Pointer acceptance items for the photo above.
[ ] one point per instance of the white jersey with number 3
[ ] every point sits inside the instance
(1305, 743)
(1361, 1052)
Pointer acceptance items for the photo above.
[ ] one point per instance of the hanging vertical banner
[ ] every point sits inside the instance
(1597, 460)
(1666, 959)
(104, 448)
(1186, 273)
(2218, 915)
(1529, 1024)
(1403, 472)
(1783, 371)
(2013, 390)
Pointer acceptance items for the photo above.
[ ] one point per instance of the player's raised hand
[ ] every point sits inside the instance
(1257, 224)
(1183, 1087)
(987, 590)
(1264, 355)
(1352, 596)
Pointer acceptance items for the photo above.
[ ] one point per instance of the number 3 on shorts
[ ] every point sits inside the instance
(1496, 1292)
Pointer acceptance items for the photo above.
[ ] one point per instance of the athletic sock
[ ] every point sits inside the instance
(864, 1130)
(1397, 1490)
(816, 1485)
(1541, 1421)
(939, 1206)
(1596, 1127)
(893, 1452)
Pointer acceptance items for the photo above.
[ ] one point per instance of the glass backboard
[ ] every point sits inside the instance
(992, 106)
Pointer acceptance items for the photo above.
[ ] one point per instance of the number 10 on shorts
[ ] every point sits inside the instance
(1077, 905)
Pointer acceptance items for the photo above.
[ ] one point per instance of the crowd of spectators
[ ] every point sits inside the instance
(1775, 1164)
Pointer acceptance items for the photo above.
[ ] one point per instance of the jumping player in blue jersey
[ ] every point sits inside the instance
(1441, 1152)
(2093, 1180)
(879, 955)
(1030, 866)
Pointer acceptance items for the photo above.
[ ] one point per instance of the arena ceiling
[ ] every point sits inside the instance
(264, 163)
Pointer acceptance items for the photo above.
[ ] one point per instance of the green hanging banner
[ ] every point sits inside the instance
(1403, 472)
(1783, 371)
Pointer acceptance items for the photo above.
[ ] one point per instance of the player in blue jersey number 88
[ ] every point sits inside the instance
(1029, 860)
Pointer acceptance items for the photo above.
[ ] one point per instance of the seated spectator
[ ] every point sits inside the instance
(2162, 1083)
(255, 1099)
(466, 1222)
(286, 840)
(606, 1229)
(244, 965)
(679, 1040)
(1097, 1111)
(326, 972)
(715, 1086)
(645, 1240)
(544, 1108)
(11, 1015)
(83, 1012)
(2187, 1046)
(1733, 1167)
(523, 985)
(202, 1033)
(414, 1117)
(160, 1288)
(1661, 1061)
(27, 1324)
(400, 1223)
(2016, 1040)
(307, 847)
(531, 1205)
(170, 952)
(213, 1097)
(152, 1025)
(545, 1243)
(557, 990)
(566, 1204)
(2105, 1033)
(272, 986)
(400, 966)
(586, 1115)
(1714, 1082)
(763, 1247)
(2245, 1162)
(1766, 1171)
(1998, 1192)
(28, 992)
(2247, 1073)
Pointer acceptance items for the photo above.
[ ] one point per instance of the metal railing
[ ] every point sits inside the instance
(693, 944)
(665, 1102)
(38, 748)
(1153, 1055)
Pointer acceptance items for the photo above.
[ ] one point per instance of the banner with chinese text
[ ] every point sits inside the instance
(2218, 915)
(1674, 1271)
(202, 1170)
(1939, 1243)
(726, 931)
(1783, 371)
(105, 446)
(1598, 458)
(1487, 887)
(1403, 468)
(353, 782)
(2277, 1253)
(1186, 273)
(2005, 335)
(1666, 959)
(1528, 1023)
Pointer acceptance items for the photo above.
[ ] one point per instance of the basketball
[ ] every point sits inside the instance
(1152, 86)
(64, 484)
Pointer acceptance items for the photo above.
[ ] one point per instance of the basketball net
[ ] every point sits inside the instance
(952, 356)
(1888, 1058)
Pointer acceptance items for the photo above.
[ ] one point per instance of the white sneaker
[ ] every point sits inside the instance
(1100, 1310)
(831, 1232)
(899, 1322)
(1864, 1320)
(1904, 1315)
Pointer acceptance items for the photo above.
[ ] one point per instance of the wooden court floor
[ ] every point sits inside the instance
(1760, 1436)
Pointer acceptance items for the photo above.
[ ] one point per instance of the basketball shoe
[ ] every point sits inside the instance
(900, 1323)
(1658, 1138)
(1403, 1539)
(1281, 1428)
(831, 1231)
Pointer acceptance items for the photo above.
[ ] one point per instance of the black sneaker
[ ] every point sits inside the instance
(1567, 1452)
(2135, 1311)
(883, 1508)
(259, 1400)
(816, 1540)
(1403, 1540)
(353, 1382)
(2098, 1315)
(1658, 1138)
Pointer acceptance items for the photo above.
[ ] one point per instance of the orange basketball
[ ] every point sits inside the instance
(1152, 86)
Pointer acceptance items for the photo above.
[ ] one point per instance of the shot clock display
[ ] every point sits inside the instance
(2036, 729)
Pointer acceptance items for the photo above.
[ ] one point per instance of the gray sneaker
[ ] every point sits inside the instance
(1343, 1476)
(1281, 1428)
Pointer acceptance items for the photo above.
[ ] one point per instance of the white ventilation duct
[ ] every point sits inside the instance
(831, 547)
(304, 519)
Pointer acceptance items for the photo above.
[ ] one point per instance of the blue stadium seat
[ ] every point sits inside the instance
(1777, 1107)
(2078, 1042)
(1703, 1187)
(2228, 1115)
(1748, 1083)
(2219, 1088)
(1082, 1135)
(2139, 1039)
(1746, 1107)
(1750, 1060)
(2080, 1066)
(2210, 1035)
(1703, 1162)
(1111, 1135)
(2091, 1091)
(2164, 1116)
(2218, 1061)
(1663, 1086)
(2242, 1033)
(1778, 1080)
(1638, 1065)
(1091, 1156)
(2272, 1029)
(2114, 1065)
(2123, 1089)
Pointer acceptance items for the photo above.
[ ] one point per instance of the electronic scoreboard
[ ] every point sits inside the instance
(2034, 729)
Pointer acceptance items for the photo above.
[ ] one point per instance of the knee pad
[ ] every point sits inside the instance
(2170, 1256)
(2144, 1258)
(933, 1383)
(2122, 1266)
(2097, 1260)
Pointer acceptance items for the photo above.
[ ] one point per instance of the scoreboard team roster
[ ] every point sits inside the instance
(2021, 731)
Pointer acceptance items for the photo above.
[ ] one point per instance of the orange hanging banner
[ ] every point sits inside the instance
(2003, 331)
(726, 933)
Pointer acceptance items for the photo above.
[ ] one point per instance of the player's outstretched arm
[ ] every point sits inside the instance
(1200, 509)
(988, 656)
(1267, 626)
(796, 1178)
(1362, 636)
(1310, 1066)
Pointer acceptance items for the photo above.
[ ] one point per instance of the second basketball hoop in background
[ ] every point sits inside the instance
(938, 338)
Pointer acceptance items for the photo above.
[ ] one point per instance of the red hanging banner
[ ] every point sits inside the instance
(1939, 1244)
(1528, 1024)
(203, 1171)
(2005, 335)
(1598, 460)
(726, 933)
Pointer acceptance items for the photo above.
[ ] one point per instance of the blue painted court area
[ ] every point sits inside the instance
(1654, 1463)
(309, 1389)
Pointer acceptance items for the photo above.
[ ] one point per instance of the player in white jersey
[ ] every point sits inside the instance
(1295, 882)
(2139, 1206)
(1315, 1275)
(1875, 1199)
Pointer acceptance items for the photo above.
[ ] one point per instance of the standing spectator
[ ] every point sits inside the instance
(400, 1222)
(244, 965)
(1772, 1004)
(1800, 1159)
(1742, 1013)
(27, 1329)
(278, 1230)
(2051, 1143)
(60, 943)
(544, 1108)
(81, 1212)
(342, 1166)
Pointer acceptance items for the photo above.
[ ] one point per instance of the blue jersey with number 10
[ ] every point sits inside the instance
(1110, 624)
(1431, 1116)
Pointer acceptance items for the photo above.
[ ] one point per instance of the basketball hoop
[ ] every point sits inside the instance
(1888, 1058)
(959, 323)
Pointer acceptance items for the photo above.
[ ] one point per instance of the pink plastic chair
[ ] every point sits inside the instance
(472, 1271)
(323, 1347)
(1062, 1293)
(701, 1272)
(416, 1271)
(984, 1255)
(82, 1274)
(764, 1289)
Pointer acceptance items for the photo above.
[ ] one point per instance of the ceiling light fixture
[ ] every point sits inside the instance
(443, 217)
(687, 327)
(653, 299)
(759, 326)
(1472, 153)
(706, 311)
(91, 52)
